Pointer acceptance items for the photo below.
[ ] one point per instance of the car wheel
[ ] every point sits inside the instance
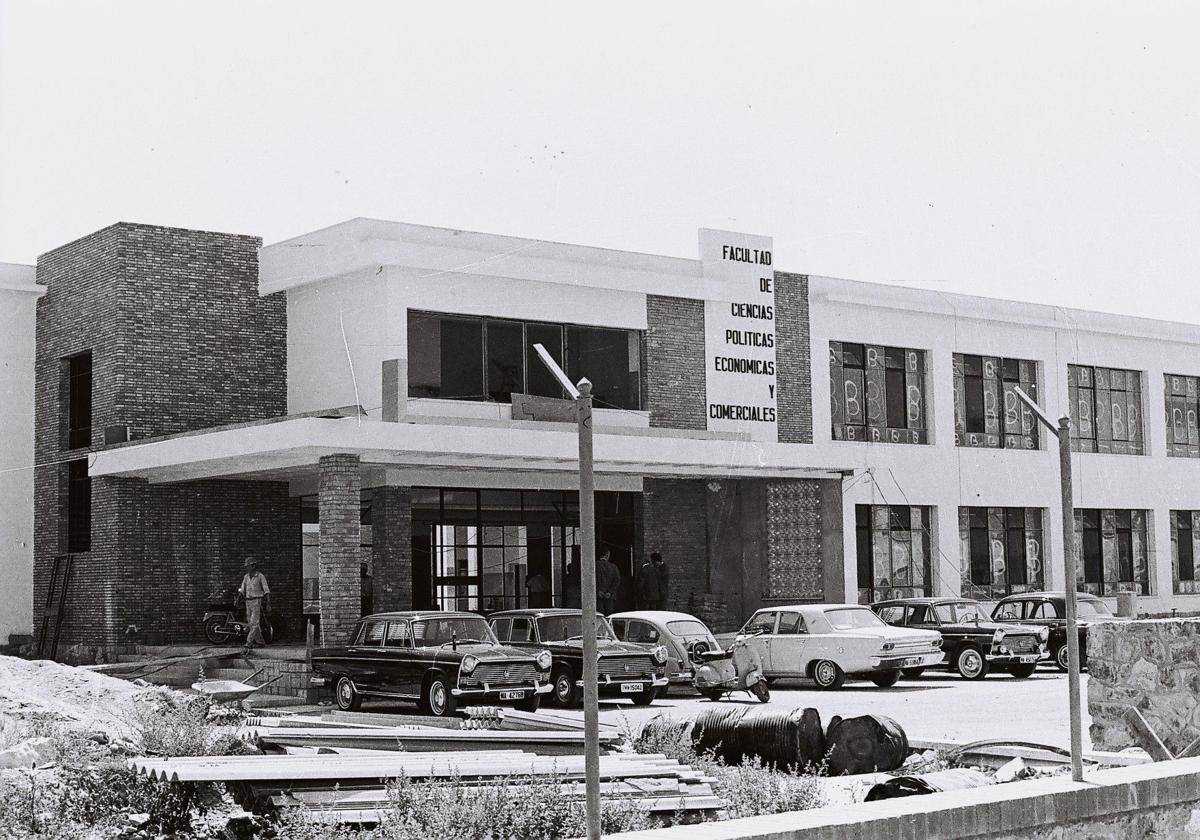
(970, 664)
(828, 675)
(436, 698)
(566, 693)
(644, 697)
(347, 696)
(1062, 658)
(713, 694)
(912, 673)
(529, 704)
(886, 679)
(215, 632)
(1022, 670)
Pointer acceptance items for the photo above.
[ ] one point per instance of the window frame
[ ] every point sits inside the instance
(876, 369)
(1085, 384)
(1010, 414)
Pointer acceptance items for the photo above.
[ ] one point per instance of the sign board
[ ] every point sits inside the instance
(739, 334)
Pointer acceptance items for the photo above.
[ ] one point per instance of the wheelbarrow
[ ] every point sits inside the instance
(228, 691)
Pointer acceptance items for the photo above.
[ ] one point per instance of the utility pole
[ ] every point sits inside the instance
(1063, 432)
(587, 589)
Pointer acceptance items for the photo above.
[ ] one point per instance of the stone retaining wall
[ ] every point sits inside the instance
(1149, 665)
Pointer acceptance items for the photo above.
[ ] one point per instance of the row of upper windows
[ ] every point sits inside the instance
(880, 394)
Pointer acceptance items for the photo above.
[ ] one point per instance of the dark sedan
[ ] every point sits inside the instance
(974, 644)
(625, 669)
(435, 659)
(1049, 610)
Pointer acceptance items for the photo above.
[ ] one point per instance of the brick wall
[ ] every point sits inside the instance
(339, 560)
(793, 358)
(675, 362)
(391, 548)
(180, 340)
(676, 526)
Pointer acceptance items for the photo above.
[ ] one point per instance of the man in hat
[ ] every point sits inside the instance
(257, 594)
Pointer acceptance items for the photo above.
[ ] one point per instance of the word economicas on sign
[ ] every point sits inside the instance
(740, 334)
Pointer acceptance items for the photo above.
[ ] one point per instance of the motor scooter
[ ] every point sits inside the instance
(224, 621)
(737, 669)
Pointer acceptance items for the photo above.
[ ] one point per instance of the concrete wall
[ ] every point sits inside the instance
(18, 301)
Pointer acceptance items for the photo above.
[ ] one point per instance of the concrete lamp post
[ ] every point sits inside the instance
(587, 589)
(1063, 432)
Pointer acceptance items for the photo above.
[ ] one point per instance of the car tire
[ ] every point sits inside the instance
(1022, 670)
(529, 704)
(886, 679)
(912, 673)
(436, 698)
(970, 663)
(566, 693)
(214, 631)
(645, 697)
(347, 696)
(828, 675)
(1062, 658)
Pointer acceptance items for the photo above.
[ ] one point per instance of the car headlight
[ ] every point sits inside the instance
(469, 663)
(544, 660)
(660, 654)
(1044, 633)
(998, 637)
(937, 643)
(888, 646)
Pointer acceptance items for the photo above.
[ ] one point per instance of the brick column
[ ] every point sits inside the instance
(391, 549)
(341, 588)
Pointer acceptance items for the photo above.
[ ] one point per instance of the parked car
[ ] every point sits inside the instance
(684, 636)
(625, 669)
(1049, 610)
(829, 642)
(973, 644)
(434, 658)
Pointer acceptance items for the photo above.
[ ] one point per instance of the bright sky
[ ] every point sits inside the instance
(1038, 151)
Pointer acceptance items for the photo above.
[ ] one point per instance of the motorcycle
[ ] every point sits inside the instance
(737, 669)
(224, 621)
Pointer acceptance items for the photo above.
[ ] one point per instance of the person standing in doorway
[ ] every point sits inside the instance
(664, 579)
(608, 580)
(257, 595)
(647, 585)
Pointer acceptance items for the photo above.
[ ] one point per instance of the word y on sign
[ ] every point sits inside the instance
(739, 333)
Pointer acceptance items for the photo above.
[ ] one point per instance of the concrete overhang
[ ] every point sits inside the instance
(289, 450)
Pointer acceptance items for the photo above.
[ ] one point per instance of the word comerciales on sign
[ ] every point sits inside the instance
(739, 334)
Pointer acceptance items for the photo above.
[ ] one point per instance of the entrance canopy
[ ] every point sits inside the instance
(288, 449)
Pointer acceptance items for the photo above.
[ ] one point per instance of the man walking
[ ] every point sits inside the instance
(257, 594)
(608, 580)
(664, 579)
(647, 585)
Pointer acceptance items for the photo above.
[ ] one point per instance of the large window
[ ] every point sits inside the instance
(1112, 550)
(463, 358)
(1001, 550)
(79, 507)
(893, 552)
(1106, 410)
(79, 401)
(878, 393)
(1185, 535)
(987, 411)
(1183, 408)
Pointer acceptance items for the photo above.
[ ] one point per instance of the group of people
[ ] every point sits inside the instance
(652, 587)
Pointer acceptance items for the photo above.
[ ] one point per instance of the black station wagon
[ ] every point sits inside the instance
(974, 644)
(625, 669)
(435, 658)
(1049, 610)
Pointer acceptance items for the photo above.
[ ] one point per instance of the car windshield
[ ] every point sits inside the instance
(853, 618)
(1092, 608)
(959, 613)
(442, 631)
(558, 628)
(687, 628)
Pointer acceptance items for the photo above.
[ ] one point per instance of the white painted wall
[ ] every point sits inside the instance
(18, 300)
(945, 476)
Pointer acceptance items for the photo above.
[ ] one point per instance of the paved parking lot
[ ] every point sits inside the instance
(936, 705)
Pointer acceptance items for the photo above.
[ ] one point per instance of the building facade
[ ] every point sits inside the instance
(361, 407)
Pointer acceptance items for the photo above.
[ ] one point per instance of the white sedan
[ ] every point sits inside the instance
(829, 642)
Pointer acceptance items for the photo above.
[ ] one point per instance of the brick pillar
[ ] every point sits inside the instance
(341, 588)
(391, 549)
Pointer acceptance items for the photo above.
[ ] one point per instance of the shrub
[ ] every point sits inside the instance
(176, 725)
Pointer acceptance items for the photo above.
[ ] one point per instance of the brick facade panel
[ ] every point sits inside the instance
(391, 548)
(675, 366)
(339, 553)
(793, 358)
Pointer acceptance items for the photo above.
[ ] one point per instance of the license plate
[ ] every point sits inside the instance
(1028, 659)
(630, 688)
(512, 695)
(911, 662)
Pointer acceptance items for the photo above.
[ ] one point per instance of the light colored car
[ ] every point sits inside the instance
(829, 642)
(683, 635)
